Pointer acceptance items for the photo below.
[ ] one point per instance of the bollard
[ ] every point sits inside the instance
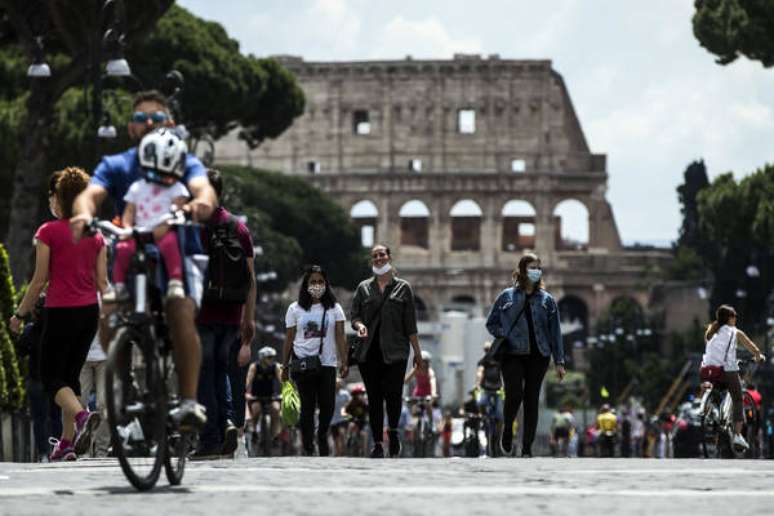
(6, 436)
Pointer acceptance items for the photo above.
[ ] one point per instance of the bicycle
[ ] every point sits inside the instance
(357, 439)
(717, 423)
(262, 441)
(140, 378)
(423, 432)
(490, 420)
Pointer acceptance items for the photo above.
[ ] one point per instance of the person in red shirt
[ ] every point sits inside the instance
(74, 273)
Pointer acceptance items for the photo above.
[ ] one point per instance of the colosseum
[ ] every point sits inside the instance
(461, 165)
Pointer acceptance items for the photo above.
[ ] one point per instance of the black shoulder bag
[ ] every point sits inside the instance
(496, 351)
(312, 363)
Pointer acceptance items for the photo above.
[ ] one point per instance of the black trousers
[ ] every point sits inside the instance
(522, 376)
(316, 390)
(66, 340)
(384, 386)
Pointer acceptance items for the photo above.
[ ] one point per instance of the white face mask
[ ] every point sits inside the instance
(384, 269)
(316, 291)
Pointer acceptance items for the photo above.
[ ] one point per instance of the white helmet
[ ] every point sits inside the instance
(426, 356)
(162, 153)
(266, 352)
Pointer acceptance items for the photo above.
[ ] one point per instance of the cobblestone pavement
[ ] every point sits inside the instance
(421, 486)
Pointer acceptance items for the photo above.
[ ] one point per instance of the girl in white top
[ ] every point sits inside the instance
(314, 319)
(722, 337)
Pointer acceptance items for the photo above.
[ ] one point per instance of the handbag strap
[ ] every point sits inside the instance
(728, 348)
(378, 312)
(517, 317)
(322, 331)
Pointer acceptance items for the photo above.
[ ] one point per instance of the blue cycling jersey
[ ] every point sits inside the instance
(117, 172)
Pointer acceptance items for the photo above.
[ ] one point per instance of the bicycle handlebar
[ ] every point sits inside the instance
(176, 217)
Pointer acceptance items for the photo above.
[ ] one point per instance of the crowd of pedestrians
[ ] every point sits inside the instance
(225, 391)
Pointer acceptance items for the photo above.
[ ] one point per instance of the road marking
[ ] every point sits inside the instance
(416, 490)
(3, 477)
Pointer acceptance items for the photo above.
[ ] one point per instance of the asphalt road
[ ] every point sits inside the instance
(284, 486)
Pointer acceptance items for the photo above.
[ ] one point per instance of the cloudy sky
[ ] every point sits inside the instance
(646, 93)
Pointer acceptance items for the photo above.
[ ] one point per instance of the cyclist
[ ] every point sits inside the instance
(263, 381)
(339, 422)
(357, 410)
(424, 381)
(112, 177)
(489, 381)
(562, 428)
(722, 337)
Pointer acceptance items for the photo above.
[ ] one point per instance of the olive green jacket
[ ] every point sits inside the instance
(396, 321)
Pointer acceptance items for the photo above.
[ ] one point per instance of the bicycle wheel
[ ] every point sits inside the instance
(419, 439)
(178, 444)
(266, 432)
(750, 428)
(136, 408)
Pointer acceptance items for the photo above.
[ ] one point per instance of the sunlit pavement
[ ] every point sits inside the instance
(406, 486)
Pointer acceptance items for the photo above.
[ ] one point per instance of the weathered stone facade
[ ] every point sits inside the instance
(486, 130)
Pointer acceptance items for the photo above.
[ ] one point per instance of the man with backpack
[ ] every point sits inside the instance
(226, 326)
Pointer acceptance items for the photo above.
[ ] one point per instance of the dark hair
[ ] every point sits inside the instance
(328, 299)
(150, 96)
(52, 182)
(520, 273)
(216, 180)
(71, 182)
(722, 315)
(386, 249)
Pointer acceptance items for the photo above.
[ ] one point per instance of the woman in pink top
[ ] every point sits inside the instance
(74, 273)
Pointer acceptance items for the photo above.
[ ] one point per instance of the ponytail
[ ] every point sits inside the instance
(712, 329)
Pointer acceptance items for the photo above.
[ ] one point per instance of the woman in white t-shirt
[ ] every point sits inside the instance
(315, 326)
(722, 337)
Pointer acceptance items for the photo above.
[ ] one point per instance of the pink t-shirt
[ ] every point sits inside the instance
(71, 267)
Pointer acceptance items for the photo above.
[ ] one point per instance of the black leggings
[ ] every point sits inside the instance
(522, 376)
(316, 390)
(66, 340)
(384, 386)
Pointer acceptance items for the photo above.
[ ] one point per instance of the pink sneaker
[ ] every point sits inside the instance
(63, 450)
(85, 424)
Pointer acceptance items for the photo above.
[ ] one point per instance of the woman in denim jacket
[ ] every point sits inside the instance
(528, 346)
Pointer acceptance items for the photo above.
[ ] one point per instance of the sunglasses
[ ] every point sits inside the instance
(141, 117)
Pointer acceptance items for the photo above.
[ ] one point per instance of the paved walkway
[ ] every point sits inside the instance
(285, 486)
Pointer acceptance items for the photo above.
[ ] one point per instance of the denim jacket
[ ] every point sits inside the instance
(545, 315)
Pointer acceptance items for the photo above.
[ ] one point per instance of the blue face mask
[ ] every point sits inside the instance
(534, 275)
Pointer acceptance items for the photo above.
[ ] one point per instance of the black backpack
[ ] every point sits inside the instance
(228, 278)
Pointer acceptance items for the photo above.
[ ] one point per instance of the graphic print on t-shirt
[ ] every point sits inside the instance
(312, 330)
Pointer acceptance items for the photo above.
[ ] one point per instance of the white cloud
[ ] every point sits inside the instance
(421, 39)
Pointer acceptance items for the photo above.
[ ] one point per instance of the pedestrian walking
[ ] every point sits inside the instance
(384, 316)
(314, 346)
(226, 325)
(74, 273)
(525, 318)
(93, 381)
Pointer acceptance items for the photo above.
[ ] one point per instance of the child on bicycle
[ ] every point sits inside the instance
(162, 157)
(722, 336)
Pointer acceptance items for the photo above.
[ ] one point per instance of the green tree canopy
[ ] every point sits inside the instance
(297, 225)
(733, 28)
(48, 122)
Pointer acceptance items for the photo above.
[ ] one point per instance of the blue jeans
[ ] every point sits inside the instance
(214, 385)
(484, 398)
(237, 377)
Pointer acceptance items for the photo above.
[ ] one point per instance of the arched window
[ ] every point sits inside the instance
(466, 226)
(364, 215)
(571, 222)
(414, 224)
(518, 226)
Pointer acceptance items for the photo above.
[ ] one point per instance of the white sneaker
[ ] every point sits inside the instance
(175, 289)
(740, 442)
